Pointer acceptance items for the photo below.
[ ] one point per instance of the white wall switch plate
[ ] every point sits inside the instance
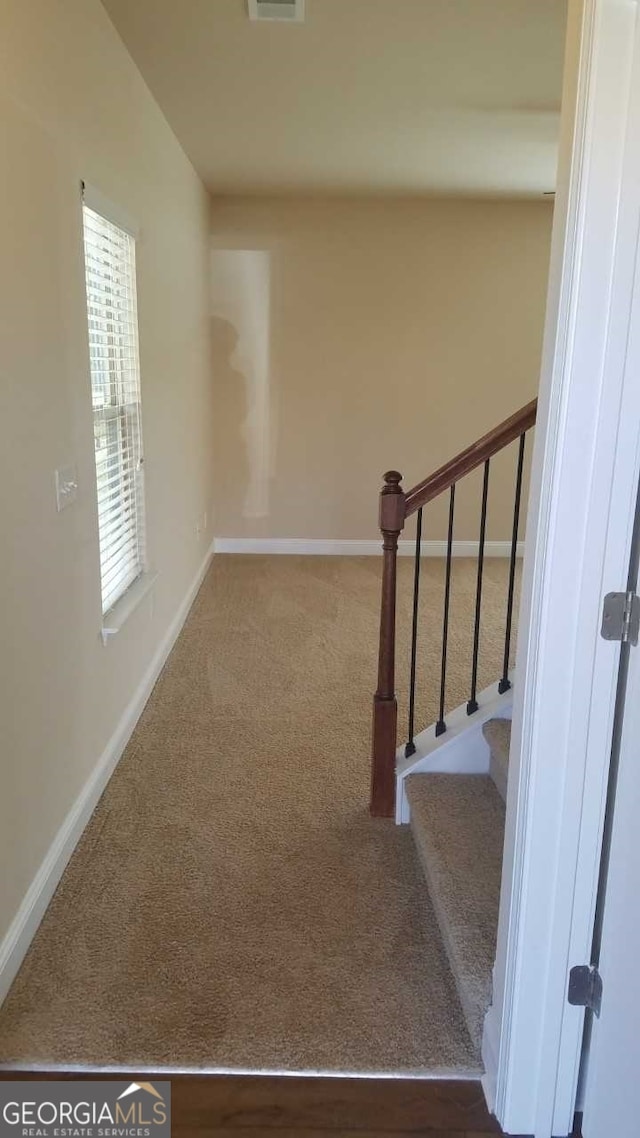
(66, 486)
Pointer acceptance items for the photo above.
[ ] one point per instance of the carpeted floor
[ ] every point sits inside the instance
(231, 904)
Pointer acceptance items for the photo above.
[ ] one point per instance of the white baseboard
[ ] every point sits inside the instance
(326, 547)
(25, 924)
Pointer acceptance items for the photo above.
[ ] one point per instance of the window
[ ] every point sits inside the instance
(110, 272)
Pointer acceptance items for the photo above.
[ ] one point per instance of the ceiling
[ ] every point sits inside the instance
(367, 96)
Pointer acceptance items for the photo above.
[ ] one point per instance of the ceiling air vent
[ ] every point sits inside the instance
(289, 11)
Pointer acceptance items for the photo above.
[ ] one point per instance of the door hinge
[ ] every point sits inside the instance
(621, 617)
(585, 987)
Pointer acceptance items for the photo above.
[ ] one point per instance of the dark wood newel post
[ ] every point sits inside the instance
(385, 707)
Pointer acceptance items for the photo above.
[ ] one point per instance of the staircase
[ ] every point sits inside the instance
(396, 507)
(458, 825)
(449, 780)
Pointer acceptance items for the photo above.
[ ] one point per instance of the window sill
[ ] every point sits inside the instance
(121, 611)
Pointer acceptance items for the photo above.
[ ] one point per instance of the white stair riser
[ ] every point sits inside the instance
(462, 749)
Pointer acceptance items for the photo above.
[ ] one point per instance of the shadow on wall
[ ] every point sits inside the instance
(241, 286)
(230, 430)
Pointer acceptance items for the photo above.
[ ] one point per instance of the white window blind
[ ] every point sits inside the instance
(110, 273)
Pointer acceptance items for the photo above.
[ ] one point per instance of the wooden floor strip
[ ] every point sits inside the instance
(242, 1106)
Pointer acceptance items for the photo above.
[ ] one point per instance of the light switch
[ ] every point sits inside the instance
(66, 486)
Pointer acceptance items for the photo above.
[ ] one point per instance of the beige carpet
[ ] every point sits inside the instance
(458, 824)
(231, 904)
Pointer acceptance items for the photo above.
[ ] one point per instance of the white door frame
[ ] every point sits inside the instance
(585, 470)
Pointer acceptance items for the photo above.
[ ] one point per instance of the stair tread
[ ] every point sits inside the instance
(497, 732)
(458, 825)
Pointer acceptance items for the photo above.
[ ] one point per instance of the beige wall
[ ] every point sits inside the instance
(363, 335)
(72, 106)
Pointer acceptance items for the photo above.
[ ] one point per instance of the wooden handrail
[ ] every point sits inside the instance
(470, 458)
(395, 507)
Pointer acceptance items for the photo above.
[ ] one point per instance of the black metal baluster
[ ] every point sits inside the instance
(472, 705)
(441, 726)
(505, 683)
(410, 748)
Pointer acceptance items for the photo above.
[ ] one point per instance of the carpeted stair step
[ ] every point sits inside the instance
(497, 732)
(458, 825)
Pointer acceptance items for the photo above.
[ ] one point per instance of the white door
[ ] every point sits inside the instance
(612, 1089)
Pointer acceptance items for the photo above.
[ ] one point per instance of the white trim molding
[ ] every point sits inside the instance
(115, 619)
(94, 199)
(583, 483)
(327, 547)
(24, 926)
